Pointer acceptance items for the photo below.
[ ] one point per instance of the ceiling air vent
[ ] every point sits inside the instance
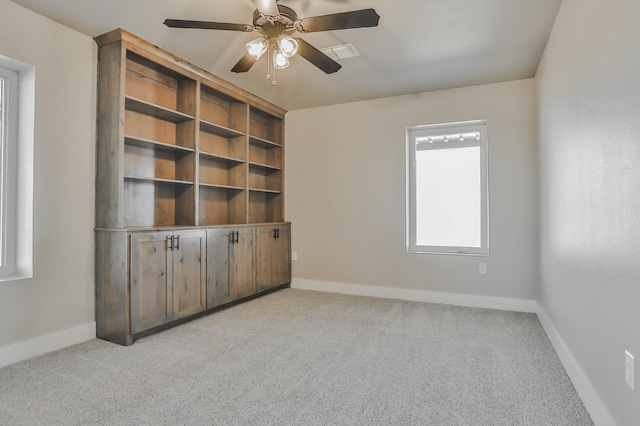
(342, 51)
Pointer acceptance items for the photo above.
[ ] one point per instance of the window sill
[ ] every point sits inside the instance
(15, 277)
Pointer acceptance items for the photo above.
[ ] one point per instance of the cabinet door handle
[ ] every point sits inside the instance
(170, 239)
(178, 242)
(237, 237)
(232, 237)
(277, 233)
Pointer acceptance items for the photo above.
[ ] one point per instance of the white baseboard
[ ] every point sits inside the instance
(50, 342)
(590, 398)
(489, 302)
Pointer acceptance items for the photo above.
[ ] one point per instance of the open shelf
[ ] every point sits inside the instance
(263, 166)
(220, 205)
(143, 107)
(159, 180)
(264, 143)
(265, 129)
(190, 149)
(155, 145)
(217, 129)
(215, 185)
(265, 206)
(266, 191)
(220, 157)
(158, 202)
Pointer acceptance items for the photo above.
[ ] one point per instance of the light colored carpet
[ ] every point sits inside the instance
(306, 358)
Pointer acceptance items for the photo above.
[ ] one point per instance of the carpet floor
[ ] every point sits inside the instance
(299, 357)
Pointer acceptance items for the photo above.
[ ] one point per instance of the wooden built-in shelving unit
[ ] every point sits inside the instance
(190, 190)
(194, 149)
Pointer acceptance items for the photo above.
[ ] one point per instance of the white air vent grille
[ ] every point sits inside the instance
(343, 51)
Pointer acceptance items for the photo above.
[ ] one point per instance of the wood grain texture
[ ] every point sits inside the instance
(112, 287)
(109, 167)
(151, 280)
(219, 290)
(243, 262)
(273, 256)
(189, 273)
(179, 148)
(281, 257)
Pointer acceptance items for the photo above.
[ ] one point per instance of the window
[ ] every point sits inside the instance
(447, 202)
(8, 162)
(17, 118)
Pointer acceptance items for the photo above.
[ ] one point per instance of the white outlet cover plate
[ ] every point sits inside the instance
(629, 370)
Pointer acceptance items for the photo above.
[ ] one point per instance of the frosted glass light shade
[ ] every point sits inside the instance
(267, 7)
(256, 48)
(280, 61)
(287, 45)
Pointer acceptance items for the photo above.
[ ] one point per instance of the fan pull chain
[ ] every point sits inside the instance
(274, 82)
(269, 64)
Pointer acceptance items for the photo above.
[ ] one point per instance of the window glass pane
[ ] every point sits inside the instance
(448, 197)
(2, 172)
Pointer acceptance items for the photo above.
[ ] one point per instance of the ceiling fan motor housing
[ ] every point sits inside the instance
(272, 27)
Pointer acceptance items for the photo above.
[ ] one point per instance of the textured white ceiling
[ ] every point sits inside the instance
(419, 45)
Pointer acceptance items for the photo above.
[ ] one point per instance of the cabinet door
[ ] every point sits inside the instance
(150, 280)
(218, 278)
(243, 264)
(273, 256)
(265, 239)
(189, 272)
(281, 257)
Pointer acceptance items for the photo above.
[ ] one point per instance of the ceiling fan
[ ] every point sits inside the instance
(276, 24)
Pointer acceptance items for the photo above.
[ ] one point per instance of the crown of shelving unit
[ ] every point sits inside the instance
(177, 146)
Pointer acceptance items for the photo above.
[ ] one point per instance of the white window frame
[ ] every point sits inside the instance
(8, 171)
(21, 167)
(431, 132)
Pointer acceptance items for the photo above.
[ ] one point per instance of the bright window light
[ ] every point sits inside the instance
(8, 128)
(447, 188)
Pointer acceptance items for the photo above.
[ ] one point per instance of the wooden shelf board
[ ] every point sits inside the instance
(264, 166)
(221, 157)
(269, 191)
(147, 108)
(217, 129)
(214, 185)
(155, 145)
(158, 180)
(254, 140)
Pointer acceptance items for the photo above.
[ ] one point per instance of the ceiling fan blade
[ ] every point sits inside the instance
(207, 25)
(340, 21)
(267, 7)
(316, 57)
(244, 64)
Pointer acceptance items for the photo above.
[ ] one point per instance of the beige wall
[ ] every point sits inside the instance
(60, 294)
(345, 191)
(589, 94)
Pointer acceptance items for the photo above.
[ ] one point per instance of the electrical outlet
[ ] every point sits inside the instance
(482, 268)
(294, 256)
(630, 370)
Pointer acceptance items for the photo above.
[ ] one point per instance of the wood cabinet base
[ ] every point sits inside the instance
(151, 279)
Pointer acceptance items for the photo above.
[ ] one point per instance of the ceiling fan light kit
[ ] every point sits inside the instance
(280, 60)
(256, 48)
(276, 24)
(287, 45)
